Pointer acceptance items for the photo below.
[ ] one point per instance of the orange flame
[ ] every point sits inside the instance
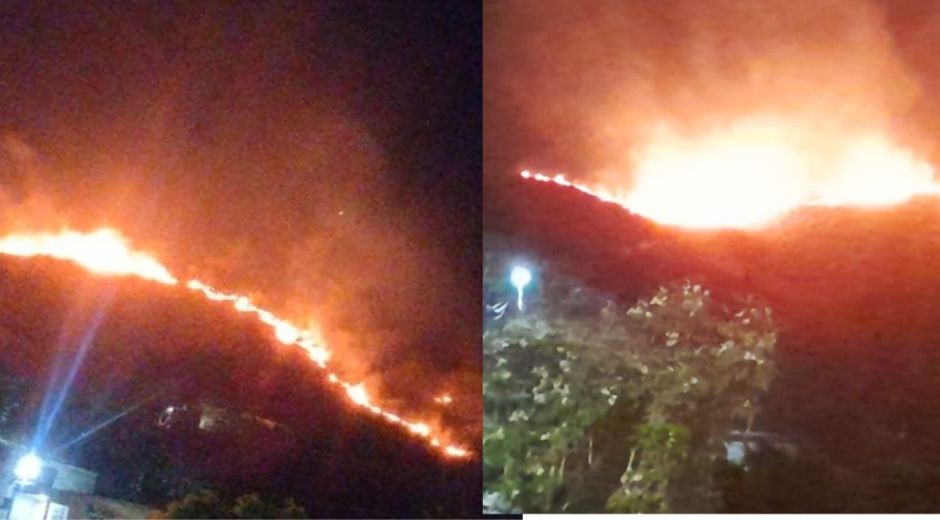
(751, 173)
(285, 332)
(102, 252)
(106, 252)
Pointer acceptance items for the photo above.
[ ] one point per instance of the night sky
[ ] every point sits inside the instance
(323, 157)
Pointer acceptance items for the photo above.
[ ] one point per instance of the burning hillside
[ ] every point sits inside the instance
(851, 289)
(865, 251)
(152, 345)
(261, 167)
(752, 174)
(106, 252)
(783, 150)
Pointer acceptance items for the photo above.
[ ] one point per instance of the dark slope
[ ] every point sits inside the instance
(598, 242)
(854, 293)
(165, 346)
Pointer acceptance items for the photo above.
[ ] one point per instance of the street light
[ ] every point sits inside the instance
(520, 277)
(28, 468)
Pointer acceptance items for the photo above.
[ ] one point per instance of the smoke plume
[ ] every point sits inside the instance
(586, 87)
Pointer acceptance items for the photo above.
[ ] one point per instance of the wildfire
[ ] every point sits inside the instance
(751, 173)
(103, 252)
(106, 252)
(285, 332)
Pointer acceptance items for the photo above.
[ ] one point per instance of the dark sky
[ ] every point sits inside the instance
(323, 156)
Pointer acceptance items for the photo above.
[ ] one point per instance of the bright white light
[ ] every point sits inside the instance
(28, 467)
(520, 277)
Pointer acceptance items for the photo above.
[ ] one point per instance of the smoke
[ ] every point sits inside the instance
(258, 149)
(594, 83)
(23, 201)
(17, 166)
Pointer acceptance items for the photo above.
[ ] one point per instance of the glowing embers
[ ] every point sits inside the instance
(751, 173)
(106, 252)
(285, 332)
(103, 252)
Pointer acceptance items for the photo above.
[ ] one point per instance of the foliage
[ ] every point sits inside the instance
(643, 487)
(207, 504)
(582, 392)
(202, 504)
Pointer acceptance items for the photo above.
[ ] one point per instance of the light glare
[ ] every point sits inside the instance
(520, 277)
(28, 467)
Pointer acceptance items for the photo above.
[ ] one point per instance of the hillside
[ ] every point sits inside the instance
(157, 346)
(852, 290)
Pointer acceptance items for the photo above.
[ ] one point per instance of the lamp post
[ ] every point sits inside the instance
(27, 470)
(520, 277)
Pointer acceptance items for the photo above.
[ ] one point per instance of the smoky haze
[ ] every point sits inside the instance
(582, 87)
(323, 158)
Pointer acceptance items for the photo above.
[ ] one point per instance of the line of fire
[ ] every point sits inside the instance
(239, 244)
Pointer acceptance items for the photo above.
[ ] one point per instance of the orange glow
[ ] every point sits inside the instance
(456, 452)
(358, 394)
(284, 331)
(420, 429)
(751, 173)
(102, 252)
(106, 252)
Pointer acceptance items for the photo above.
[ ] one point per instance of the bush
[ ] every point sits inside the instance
(207, 504)
(595, 407)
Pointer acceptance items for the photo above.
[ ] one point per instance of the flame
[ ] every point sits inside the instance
(751, 173)
(102, 252)
(106, 252)
(284, 331)
(456, 452)
(358, 394)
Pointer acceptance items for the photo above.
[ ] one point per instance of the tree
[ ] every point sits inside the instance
(589, 406)
(202, 504)
(207, 504)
